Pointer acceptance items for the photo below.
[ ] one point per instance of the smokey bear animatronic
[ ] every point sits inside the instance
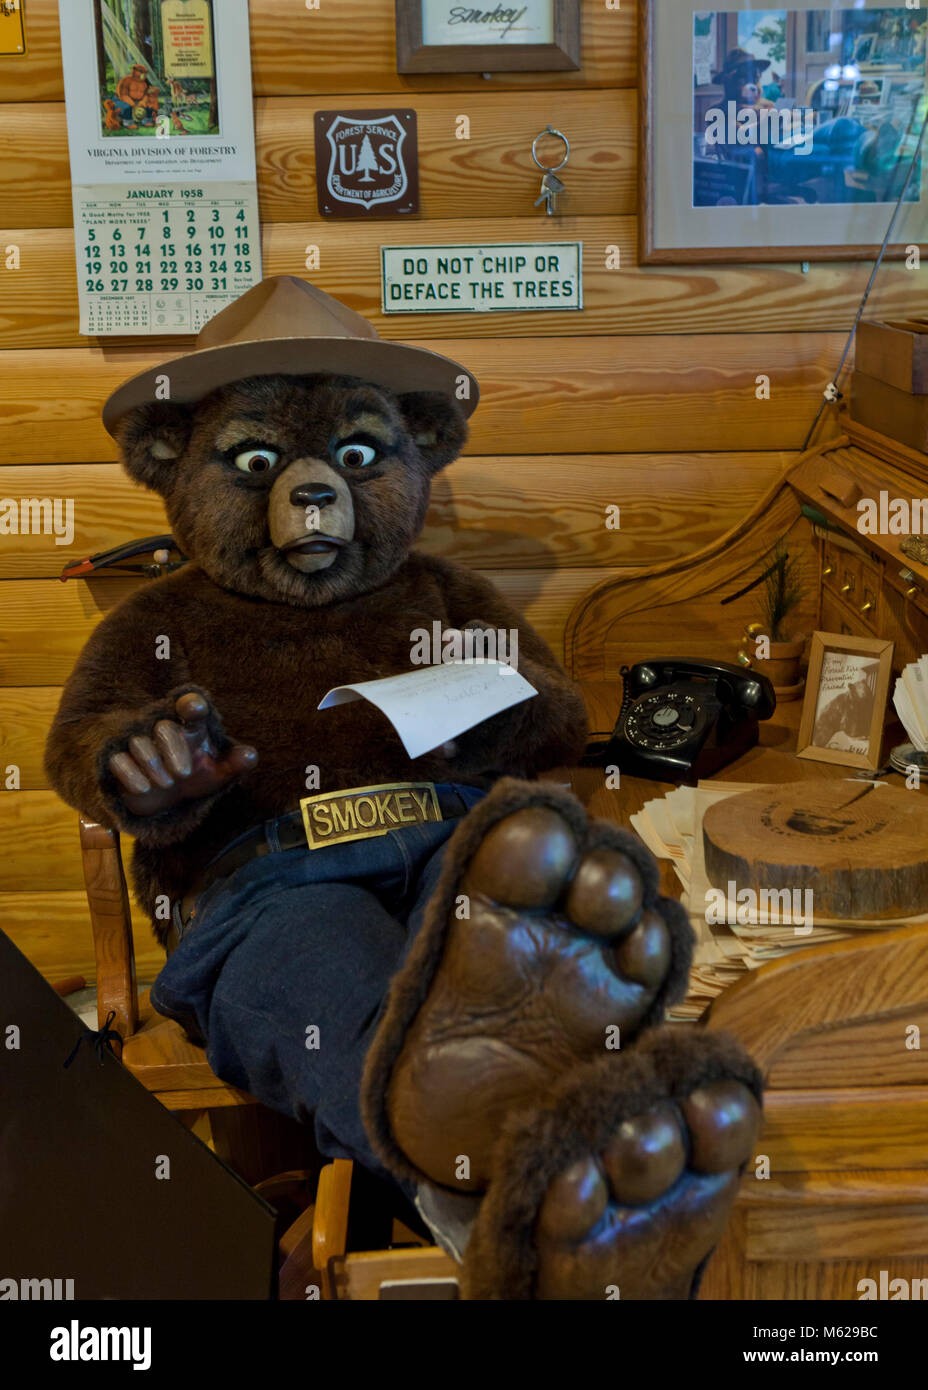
(471, 949)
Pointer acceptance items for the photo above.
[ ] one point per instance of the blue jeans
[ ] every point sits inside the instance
(285, 973)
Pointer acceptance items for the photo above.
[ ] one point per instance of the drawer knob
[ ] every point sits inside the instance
(865, 608)
(846, 588)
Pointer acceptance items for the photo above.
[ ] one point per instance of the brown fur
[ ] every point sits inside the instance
(265, 642)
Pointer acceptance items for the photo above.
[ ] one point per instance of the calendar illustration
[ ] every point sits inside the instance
(161, 138)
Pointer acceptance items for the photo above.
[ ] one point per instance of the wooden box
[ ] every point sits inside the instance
(896, 353)
(890, 411)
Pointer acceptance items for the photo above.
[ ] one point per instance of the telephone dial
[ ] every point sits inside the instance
(684, 719)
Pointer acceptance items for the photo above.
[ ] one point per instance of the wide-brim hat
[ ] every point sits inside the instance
(738, 58)
(286, 326)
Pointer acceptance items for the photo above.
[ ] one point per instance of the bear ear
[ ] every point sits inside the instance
(437, 425)
(151, 438)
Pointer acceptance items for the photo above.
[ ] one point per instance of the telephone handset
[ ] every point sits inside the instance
(684, 719)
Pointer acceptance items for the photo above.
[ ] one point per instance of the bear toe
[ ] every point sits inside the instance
(723, 1119)
(646, 1156)
(644, 955)
(575, 1202)
(524, 860)
(606, 894)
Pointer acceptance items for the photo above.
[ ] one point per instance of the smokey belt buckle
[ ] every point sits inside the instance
(333, 818)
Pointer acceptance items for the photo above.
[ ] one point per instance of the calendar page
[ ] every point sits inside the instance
(163, 259)
(161, 139)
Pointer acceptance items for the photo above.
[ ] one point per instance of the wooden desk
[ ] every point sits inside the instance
(839, 1192)
(772, 760)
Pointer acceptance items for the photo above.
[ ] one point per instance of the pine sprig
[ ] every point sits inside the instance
(783, 590)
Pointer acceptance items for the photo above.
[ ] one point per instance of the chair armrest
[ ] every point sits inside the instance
(875, 975)
(330, 1221)
(108, 899)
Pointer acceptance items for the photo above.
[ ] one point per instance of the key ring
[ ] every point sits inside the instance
(549, 130)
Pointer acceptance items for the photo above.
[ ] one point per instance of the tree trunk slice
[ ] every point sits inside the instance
(861, 849)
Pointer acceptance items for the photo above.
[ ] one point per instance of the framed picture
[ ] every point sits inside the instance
(444, 36)
(780, 134)
(845, 700)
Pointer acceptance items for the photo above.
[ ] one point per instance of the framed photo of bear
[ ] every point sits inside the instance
(781, 134)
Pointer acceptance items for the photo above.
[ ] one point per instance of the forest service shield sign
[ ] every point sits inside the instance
(366, 163)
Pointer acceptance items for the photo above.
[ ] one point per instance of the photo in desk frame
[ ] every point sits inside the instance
(764, 200)
(438, 36)
(839, 665)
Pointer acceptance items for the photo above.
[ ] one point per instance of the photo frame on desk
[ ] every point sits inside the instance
(443, 36)
(782, 134)
(845, 702)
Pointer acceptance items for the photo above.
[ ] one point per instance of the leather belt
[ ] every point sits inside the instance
(356, 813)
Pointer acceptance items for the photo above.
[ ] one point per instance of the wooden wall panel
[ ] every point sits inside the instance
(295, 50)
(503, 512)
(46, 623)
(490, 174)
(39, 301)
(540, 396)
(38, 830)
(26, 713)
(53, 930)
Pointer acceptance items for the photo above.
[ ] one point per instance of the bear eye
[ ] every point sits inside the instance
(256, 460)
(355, 455)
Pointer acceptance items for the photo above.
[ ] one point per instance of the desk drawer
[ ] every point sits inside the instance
(838, 617)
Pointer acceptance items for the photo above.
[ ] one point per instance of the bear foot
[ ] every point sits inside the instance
(619, 1184)
(546, 944)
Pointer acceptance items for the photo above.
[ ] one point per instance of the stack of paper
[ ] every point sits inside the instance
(911, 700)
(732, 936)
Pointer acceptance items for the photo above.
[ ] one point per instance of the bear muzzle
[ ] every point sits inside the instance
(310, 515)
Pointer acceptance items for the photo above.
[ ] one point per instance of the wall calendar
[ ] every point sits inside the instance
(161, 138)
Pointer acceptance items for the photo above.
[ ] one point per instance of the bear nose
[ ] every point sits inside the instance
(312, 495)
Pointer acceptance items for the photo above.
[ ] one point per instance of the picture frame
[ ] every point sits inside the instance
(847, 687)
(440, 36)
(791, 151)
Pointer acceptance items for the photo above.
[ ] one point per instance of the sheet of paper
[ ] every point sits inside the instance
(429, 706)
(681, 806)
(646, 832)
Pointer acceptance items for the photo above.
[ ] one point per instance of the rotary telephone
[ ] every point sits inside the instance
(684, 719)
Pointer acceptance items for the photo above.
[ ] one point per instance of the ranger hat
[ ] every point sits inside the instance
(286, 326)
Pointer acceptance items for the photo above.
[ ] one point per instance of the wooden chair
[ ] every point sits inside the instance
(270, 1152)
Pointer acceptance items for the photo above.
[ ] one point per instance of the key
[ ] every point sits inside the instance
(551, 186)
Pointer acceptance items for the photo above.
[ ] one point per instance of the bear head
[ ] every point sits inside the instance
(295, 489)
